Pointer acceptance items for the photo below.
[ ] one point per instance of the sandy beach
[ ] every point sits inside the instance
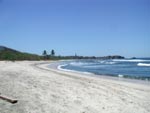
(40, 89)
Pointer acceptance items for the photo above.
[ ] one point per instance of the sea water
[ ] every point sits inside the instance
(127, 68)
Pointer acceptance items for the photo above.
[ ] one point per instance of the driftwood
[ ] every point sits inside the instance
(8, 99)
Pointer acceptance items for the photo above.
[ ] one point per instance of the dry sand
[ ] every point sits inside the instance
(43, 90)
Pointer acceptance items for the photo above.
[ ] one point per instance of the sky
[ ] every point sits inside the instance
(84, 27)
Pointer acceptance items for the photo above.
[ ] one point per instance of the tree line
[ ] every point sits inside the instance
(11, 54)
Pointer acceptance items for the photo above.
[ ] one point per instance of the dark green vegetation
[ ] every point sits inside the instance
(11, 54)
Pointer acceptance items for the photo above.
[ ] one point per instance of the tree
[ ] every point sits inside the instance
(52, 52)
(44, 53)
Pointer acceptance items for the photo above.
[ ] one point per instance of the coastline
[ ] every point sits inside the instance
(40, 89)
(115, 68)
(57, 66)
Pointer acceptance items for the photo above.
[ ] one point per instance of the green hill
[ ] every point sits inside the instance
(11, 54)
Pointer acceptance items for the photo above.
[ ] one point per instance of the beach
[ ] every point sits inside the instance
(40, 89)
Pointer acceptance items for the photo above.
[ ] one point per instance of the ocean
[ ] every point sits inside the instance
(127, 68)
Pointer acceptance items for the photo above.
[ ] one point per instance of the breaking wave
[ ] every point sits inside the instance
(78, 63)
(121, 76)
(143, 64)
(107, 62)
(60, 67)
(131, 60)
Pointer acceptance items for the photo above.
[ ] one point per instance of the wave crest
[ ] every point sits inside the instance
(131, 60)
(143, 64)
(121, 76)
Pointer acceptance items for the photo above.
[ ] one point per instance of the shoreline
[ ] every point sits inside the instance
(130, 77)
(40, 89)
(55, 65)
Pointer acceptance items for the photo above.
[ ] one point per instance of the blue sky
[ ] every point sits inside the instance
(85, 27)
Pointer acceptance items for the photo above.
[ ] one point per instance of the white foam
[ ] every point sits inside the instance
(101, 62)
(110, 62)
(143, 64)
(81, 63)
(131, 60)
(77, 63)
(121, 76)
(60, 68)
(106, 62)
